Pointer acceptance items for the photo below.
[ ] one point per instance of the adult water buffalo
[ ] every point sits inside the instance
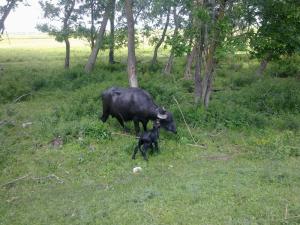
(134, 104)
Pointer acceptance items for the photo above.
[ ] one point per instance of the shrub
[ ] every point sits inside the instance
(84, 129)
(270, 96)
(273, 146)
(286, 67)
(11, 88)
(188, 86)
(243, 80)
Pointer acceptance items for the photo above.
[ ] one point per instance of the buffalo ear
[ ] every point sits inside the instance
(162, 116)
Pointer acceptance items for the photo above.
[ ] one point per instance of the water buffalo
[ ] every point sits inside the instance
(148, 139)
(134, 104)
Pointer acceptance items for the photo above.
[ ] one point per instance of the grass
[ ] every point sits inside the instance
(246, 173)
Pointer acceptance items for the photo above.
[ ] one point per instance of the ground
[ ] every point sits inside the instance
(61, 165)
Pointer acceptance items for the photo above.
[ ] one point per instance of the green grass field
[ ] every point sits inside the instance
(243, 169)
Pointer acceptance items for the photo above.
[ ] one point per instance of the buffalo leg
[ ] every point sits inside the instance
(105, 113)
(145, 125)
(122, 124)
(104, 117)
(136, 127)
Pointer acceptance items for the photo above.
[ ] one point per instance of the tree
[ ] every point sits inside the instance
(192, 47)
(277, 26)
(99, 41)
(111, 57)
(5, 10)
(213, 44)
(160, 9)
(89, 15)
(131, 61)
(169, 64)
(63, 12)
(198, 50)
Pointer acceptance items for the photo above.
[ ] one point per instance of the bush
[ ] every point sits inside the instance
(273, 146)
(85, 129)
(243, 80)
(188, 86)
(270, 97)
(286, 67)
(11, 88)
(162, 92)
(288, 122)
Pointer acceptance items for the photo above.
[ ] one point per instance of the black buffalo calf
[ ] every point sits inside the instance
(148, 139)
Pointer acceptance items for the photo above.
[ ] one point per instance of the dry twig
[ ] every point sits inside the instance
(199, 146)
(22, 96)
(15, 180)
(51, 176)
(184, 120)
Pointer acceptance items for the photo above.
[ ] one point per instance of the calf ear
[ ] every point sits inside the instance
(162, 116)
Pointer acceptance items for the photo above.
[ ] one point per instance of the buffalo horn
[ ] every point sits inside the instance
(162, 116)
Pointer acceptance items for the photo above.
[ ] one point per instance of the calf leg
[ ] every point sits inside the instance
(135, 151)
(144, 151)
(156, 146)
(151, 147)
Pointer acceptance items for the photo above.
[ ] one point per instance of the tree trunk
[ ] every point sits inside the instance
(154, 58)
(189, 63)
(263, 65)
(111, 56)
(131, 63)
(190, 54)
(210, 60)
(198, 80)
(169, 64)
(6, 10)
(99, 41)
(92, 34)
(68, 11)
(67, 59)
(199, 50)
(208, 81)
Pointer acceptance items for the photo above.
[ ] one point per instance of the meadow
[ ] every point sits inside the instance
(61, 165)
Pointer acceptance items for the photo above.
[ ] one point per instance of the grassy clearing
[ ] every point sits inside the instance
(247, 172)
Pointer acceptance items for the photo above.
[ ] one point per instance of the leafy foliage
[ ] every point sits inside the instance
(278, 29)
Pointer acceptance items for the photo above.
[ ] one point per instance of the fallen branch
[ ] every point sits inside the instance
(51, 176)
(217, 134)
(199, 146)
(5, 122)
(15, 180)
(184, 120)
(22, 96)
